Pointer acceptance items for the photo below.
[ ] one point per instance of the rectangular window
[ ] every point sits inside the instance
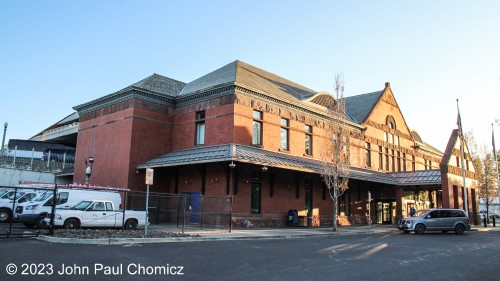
(413, 163)
(368, 155)
(200, 127)
(385, 136)
(308, 140)
(284, 134)
(380, 159)
(387, 159)
(404, 162)
(257, 128)
(255, 198)
(397, 140)
(393, 160)
(399, 161)
(425, 164)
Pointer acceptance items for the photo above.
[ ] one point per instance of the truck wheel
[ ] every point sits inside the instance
(39, 222)
(130, 225)
(71, 224)
(5, 215)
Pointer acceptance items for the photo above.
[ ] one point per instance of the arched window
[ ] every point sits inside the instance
(390, 122)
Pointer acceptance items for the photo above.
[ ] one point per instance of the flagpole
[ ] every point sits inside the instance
(462, 149)
(495, 158)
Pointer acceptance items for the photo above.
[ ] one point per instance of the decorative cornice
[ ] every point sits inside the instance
(205, 95)
(124, 95)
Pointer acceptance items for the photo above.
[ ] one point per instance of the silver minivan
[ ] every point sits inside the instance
(436, 220)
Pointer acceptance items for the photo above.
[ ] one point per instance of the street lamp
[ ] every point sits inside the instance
(88, 170)
(4, 133)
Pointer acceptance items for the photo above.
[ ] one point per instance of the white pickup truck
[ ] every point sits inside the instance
(96, 213)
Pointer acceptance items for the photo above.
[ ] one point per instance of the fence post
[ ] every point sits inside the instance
(230, 213)
(184, 213)
(53, 211)
(12, 212)
(125, 200)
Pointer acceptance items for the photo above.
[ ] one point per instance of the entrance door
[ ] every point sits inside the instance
(384, 212)
(308, 203)
(191, 205)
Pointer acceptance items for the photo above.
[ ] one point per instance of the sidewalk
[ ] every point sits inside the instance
(201, 235)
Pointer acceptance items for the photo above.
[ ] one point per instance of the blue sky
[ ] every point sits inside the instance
(58, 54)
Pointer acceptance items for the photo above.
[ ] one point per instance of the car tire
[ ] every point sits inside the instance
(130, 225)
(419, 228)
(460, 229)
(5, 215)
(71, 224)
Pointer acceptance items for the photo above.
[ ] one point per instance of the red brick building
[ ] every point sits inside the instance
(243, 131)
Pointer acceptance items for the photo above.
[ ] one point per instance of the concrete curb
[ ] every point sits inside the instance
(125, 241)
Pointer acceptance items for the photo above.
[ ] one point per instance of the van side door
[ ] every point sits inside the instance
(433, 220)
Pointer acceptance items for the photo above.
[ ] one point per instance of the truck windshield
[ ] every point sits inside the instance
(82, 205)
(44, 196)
(16, 196)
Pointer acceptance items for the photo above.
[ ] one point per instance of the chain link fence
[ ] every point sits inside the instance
(27, 211)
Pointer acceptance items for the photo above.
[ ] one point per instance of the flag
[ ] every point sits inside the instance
(459, 124)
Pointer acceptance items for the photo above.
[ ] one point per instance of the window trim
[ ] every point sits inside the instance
(286, 129)
(200, 117)
(258, 120)
(308, 131)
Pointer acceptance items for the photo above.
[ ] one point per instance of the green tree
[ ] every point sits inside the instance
(487, 181)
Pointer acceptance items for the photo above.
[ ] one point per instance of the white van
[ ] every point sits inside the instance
(32, 213)
(11, 199)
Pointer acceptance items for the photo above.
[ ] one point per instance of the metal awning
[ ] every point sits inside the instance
(258, 156)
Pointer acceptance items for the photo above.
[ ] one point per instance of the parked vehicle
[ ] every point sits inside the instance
(31, 214)
(97, 213)
(436, 220)
(11, 199)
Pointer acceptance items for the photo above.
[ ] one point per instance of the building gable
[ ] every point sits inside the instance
(386, 108)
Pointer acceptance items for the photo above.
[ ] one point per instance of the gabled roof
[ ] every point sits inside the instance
(160, 84)
(360, 106)
(448, 153)
(251, 77)
(423, 145)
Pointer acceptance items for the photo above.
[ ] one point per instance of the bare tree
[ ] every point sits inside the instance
(336, 150)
